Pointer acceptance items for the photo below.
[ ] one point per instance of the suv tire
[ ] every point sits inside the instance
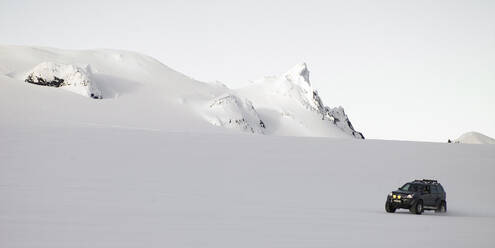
(389, 208)
(442, 207)
(417, 208)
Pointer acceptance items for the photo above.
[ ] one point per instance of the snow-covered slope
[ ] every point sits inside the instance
(474, 138)
(234, 112)
(140, 92)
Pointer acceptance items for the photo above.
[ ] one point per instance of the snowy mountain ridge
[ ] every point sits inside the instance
(291, 94)
(136, 90)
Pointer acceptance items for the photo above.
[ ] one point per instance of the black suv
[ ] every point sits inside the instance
(417, 196)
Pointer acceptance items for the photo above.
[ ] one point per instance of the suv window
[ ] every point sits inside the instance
(434, 189)
(406, 187)
(412, 187)
(440, 188)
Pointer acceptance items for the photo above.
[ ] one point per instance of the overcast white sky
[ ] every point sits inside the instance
(409, 70)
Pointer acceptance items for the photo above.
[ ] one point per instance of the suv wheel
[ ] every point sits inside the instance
(417, 208)
(389, 208)
(442, 207)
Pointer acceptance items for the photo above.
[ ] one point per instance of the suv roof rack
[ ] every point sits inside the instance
(426, 181)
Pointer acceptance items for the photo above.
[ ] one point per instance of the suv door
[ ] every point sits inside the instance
(436, 194)
(428, 197)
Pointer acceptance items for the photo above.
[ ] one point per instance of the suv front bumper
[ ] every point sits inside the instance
(401, 203)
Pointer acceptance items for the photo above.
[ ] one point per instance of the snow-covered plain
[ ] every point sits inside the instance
(145, 167)
(114, 187)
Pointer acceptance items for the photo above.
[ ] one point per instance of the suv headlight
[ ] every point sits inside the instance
(390, 194)
(409, 196)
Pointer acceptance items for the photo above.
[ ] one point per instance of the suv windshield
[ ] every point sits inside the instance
(412, 187)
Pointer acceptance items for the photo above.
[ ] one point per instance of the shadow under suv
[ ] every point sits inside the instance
(417, 196)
